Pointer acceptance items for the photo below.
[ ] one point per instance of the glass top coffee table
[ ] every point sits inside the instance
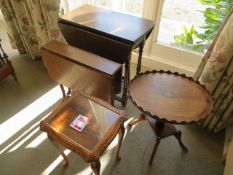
(104, 123)
(166, 98)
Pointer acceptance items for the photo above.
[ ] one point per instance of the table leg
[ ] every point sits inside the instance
(140, 56)
(163, 130)
(14, 75)
(69, 92)
(154, 150)
(95, 166)
(160, 126)
(178, 134)
(60, 149)
(126, 82)
(64, 94)
(63, 91)
(137, 120)
(121, 136)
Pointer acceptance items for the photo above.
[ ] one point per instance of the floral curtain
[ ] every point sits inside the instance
(216, 73)
(31, 23)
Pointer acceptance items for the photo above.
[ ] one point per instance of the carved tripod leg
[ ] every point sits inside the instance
(178, 134)
(60, 149)
(63, 91)
(154, 150)
(121, 136)
(95, 166)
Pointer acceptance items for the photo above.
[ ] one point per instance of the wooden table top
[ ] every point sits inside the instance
(82, 57)
(170, 97)
(118, 26)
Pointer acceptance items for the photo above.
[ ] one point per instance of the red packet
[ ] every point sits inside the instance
(79, 123)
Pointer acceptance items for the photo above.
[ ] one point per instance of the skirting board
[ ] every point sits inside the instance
(164, 64)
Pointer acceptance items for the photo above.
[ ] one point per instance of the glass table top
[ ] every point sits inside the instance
(100, 120)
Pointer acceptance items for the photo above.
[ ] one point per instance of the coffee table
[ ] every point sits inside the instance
(112, 35)
(167, 98)
(104, 122)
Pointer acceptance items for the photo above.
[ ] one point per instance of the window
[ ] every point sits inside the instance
(175, 15)
(125, 6)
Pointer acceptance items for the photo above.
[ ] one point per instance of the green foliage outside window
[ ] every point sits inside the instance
(214, 15)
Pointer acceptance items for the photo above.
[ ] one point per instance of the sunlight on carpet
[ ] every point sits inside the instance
(15, 123)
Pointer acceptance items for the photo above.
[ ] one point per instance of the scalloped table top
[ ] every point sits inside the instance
(170, 97)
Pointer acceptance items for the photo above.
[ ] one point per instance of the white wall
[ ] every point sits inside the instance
(164, 64)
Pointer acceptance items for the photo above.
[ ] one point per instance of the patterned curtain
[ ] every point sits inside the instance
(31, 23)
(216, 73)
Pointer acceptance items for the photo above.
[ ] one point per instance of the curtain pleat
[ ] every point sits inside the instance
(12, 26)
(32, 23)
(216, 73)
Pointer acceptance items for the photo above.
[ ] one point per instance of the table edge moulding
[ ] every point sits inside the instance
(207, 111)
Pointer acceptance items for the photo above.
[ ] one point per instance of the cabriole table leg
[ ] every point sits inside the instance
(95, 166)
(121, 136)
(60, 149)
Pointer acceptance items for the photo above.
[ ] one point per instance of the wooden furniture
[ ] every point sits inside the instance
(166, 98)
(6, 67)
(81, 71)
(110, 34)
(228, 159)
(104, 122)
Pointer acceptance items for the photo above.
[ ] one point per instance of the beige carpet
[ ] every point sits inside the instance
(25, 150)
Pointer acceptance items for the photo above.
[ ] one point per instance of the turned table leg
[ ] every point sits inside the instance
(140, 56)
(126, 82)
